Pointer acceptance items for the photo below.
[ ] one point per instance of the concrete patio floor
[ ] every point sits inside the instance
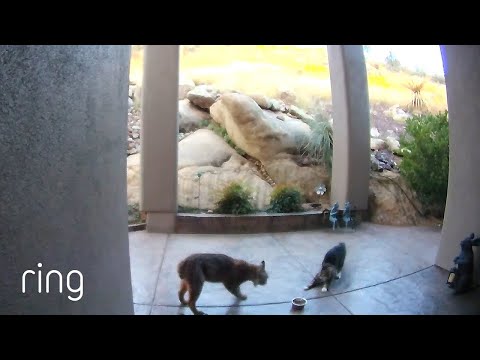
(388, 271)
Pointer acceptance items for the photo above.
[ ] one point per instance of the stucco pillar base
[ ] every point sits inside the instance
(158, 222)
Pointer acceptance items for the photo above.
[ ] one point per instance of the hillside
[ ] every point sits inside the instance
(300, 72)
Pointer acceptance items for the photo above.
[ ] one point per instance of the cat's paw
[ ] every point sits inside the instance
(201, 313)
(324, 289)
(339, 276)
(243, 297)
(306, 288)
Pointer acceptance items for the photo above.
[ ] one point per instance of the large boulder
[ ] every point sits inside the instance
(201, 186)
(263, 101)
(397, 114)
(268, 104)
(392, 202)
(393, 144)
(203, 96)
(299, 113)
(190, 117)
(278, 105)
(286, 170)
(287, 96)
(260, 133)
(207, 164)
(377, 144)
(203, 148)
(133, 179)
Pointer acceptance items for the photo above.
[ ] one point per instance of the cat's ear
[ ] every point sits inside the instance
(262, 264)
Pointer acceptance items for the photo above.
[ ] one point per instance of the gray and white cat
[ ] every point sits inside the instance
(332, 266)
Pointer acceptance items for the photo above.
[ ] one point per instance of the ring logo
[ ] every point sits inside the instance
(58, 275)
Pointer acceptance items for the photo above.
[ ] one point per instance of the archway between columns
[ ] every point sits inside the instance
(351, 133)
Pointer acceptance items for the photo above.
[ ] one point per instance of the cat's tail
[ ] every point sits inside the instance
(313, 284)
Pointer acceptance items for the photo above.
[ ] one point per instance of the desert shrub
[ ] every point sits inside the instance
(419, 72)
(285, 199)
(220, 131)
(320, 144)
(425, 159)
(439, 79)
(235, 199)
(393, 64)
(204, 123)
(134, 216)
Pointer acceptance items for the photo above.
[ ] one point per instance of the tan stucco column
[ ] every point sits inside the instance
(462, 213)
(159, 137)
(351, 126)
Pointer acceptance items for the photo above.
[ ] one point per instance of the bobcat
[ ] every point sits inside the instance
(332, 266)
(198, 268)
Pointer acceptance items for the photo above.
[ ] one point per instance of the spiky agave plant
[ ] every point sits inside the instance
(319, 145)
(417, 103)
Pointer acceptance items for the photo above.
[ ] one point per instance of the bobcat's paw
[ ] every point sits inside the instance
(182, 301)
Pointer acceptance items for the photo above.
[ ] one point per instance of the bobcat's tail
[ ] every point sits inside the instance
(181, 269)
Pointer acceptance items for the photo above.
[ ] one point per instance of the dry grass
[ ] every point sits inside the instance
(136, 66)
(270, 69)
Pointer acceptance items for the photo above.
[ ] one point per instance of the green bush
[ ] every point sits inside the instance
(204, 123)
(285, 199)
(320, 144)
(220, 131)
(235, 200)
(134, 216)
(425, 159)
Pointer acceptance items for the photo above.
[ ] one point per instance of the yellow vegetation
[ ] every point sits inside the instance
(269, 69)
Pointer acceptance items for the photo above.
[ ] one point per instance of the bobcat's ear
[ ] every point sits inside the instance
(263, 265)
